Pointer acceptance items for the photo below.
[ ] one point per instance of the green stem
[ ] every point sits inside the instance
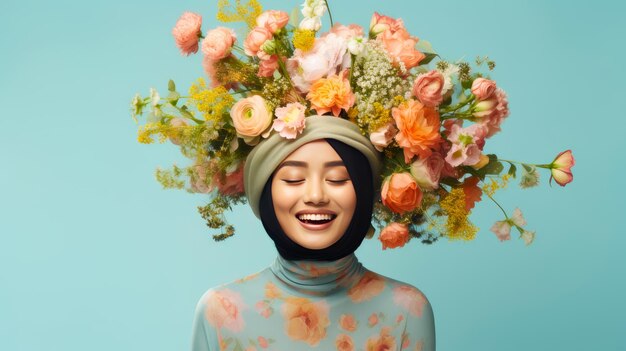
(330, 15)
(548, 165)
(496, 202)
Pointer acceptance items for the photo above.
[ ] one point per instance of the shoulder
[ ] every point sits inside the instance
(234, 291)
(405, 296)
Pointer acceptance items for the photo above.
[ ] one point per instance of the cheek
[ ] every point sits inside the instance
(284, 197)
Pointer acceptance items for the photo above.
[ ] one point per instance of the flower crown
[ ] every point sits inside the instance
(431, 121)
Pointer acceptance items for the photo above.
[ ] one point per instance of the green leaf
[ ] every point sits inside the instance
(171, 86)
(429, 57)
(425, 47)
(512, 170)
(173, 97)
(494, 166)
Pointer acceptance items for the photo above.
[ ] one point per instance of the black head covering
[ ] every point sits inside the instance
(361, 176)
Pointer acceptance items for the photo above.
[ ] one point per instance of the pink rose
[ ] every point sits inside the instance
(272, 20)
(394, 235)
(483, 88)
(187, 31)
(346, 32)
(230, 183)
(401, 48)
(256, 38)
(218, 43)
(427, 171)
(250, 117)
(268, 67)
(427, 88)
(380, 23)
(491, 113)
(289, 120)
(561, 168)
(383, 136)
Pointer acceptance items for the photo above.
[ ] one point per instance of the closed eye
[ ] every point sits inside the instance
(292, 181)
(339, 181)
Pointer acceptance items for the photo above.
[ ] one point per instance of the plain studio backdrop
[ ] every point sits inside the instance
(95, 256)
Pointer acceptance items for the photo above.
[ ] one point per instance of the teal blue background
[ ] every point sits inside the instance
(95, 256)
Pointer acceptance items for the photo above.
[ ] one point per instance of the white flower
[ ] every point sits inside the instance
(356, 45)
(136, 106)
(528, 237)
(502, 229)
(517, 218)
(312, 23)
(450, 72)
(530, 177)
(154, 97)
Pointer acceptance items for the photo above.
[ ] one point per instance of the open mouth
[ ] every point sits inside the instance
(310, 218)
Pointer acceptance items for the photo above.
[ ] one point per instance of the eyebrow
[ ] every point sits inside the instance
(304, 164)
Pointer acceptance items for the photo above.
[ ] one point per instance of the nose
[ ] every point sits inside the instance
(315, 192)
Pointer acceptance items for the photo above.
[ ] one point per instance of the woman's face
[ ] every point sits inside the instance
(313, 196)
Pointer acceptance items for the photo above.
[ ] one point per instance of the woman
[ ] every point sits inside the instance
(314, 196)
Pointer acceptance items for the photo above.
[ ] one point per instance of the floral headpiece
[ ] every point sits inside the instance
(430, 117)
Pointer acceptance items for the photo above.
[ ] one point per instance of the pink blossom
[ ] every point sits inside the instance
(263, 343)
(256, 38)
(502, 229)
(346, 32)
(467, 144)
(483, 88)
(491, 112)
(263, 308)
(561, 168)
(380, 23)
(428, 87)
(272, 20)
(329, 55)
(383, 136)
(187, 31)
(218, 43)
(289, 120)
(223, 309)
(268, 67)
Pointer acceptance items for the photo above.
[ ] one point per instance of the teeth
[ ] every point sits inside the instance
(315, 217)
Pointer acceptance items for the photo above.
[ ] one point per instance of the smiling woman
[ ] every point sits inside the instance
(315, 197)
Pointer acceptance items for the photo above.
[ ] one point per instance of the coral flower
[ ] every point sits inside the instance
(347, 322)
(394, 235)
(400, 193)
(331, 94)
(401, 48)
(370, 286)
(186, 32)
(305, 320)
(344, 343)
(384, 341)
(418, 129)
(561, 168)
(218, 43)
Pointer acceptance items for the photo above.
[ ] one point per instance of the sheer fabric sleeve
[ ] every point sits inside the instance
(200, 340)
(421, 328)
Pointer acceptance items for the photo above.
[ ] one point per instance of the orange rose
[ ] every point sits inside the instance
(347, 322)
(370, 286)
(418, 127)
(394, 235)
(400, 193)
(305, 320)
(331, 94)
(384, 341)
(344, 343)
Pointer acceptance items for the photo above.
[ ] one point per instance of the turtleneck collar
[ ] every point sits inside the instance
(319, 277)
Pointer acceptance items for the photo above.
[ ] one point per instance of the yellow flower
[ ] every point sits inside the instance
(303, 39)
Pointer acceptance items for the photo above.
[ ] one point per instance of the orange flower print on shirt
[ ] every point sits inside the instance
(223, 309)
(405, 341)
(347, 322)
(370, 285)
(419, 345)
(344, 343)
(410, 299)
(372, 320)
(271, 291)
(383, 342)
(305, 320)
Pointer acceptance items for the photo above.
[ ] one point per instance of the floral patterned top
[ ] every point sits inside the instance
(301, 305)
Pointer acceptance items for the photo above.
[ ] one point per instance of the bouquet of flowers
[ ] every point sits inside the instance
(430, 117)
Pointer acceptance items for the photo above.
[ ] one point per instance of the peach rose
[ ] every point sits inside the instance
(483, 88)
(268, 67)
(410, 299)
(331, 94)
(251, 117)
(272, 20)
(401, 48)
(427, 171)
(400, 193)
(305, 320)
(344, 343)
(427, 88)
(384, 341)
(255, 39)
(223, 309)
(218, 43)
(347, 322)
(418, 129)
(561, 168)
(380, 23)
(368, 287)
(346, 32)
(394, 235)
(187, 31)
(383, 136)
